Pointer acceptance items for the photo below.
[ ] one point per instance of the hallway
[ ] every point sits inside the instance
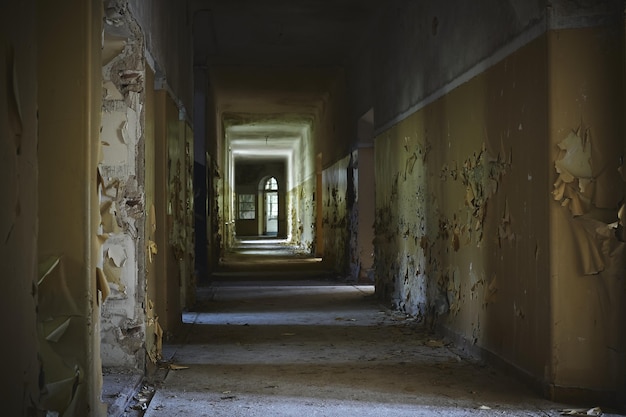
(308, 345)
(465, 160)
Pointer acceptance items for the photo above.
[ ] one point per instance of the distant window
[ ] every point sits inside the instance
(246, 207)
(271, 199)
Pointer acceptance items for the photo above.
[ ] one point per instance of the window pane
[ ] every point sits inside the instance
(271, 184)
(246, 207)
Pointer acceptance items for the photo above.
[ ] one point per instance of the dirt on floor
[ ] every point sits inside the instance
(321, 348)
(274, 335)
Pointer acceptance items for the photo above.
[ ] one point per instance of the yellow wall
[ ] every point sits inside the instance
(173, 168)
(69, 65)
(154, 253)
(587, 263)
(481, 229)
(461, 212)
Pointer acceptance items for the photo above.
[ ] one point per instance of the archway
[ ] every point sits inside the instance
(270, 207)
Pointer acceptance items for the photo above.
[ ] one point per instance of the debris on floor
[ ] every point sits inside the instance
(596, 411)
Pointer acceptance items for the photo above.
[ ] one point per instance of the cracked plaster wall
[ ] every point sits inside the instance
(122, 195)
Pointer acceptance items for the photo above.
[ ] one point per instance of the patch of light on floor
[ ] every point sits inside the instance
(229, 403)
(281, 318)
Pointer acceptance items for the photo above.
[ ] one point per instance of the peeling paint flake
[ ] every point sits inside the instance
(118, 255)
(573, 188)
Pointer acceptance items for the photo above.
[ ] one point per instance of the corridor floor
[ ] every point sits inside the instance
(313, 346)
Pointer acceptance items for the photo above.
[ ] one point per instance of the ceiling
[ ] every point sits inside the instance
(278, 32)
(272, 64)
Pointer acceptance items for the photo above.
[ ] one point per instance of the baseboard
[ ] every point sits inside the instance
(561, 394)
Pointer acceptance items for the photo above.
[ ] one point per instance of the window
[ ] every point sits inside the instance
(246, 206)
(271, 198)
(271, 185)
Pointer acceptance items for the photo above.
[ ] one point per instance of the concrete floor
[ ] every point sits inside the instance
(307, 345)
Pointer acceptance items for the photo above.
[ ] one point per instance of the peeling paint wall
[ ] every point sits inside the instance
(122, 195)
(154, 331)
(18, 213)
(301, 199)
(497, 182)
(180, 206)
(338, 199)
(461, 213)
(586, 161)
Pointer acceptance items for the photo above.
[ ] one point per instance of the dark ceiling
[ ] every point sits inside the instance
(279, 32)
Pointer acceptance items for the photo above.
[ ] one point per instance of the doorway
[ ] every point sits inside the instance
(270, 205)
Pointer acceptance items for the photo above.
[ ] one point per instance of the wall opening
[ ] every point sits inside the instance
(270, 206)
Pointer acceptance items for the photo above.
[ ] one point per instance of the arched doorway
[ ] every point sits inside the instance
(270, 207)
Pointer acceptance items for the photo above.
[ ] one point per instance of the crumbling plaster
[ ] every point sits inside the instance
(122, 196)
(302, 197)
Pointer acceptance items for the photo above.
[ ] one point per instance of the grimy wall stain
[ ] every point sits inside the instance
(338, 198)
